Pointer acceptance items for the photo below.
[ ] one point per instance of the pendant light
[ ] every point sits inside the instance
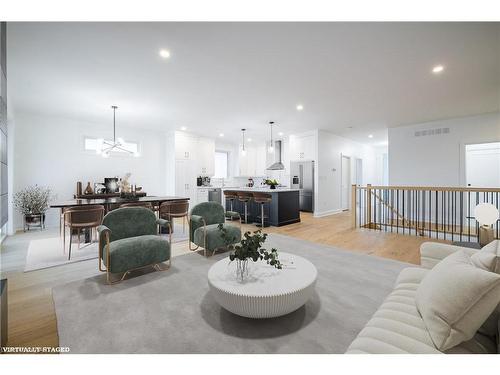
(271, 145)
(243, 151)
(104, 148)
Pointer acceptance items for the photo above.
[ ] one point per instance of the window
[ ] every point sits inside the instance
(91, 144)
(221, 161)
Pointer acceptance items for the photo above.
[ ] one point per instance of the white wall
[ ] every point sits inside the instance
(437, 160)
(49, 152)
(331, 147)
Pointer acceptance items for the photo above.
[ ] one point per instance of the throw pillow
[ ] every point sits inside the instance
(455, 298)
(488, 258)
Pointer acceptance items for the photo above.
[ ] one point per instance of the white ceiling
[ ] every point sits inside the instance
(222, 77)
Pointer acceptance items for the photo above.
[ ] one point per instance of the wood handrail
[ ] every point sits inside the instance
(431, 188)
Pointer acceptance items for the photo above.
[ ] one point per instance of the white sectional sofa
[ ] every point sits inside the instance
(397, 326)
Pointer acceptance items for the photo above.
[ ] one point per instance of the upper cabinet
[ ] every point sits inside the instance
(253, 164)
(198, 149)
(302, 147)
(185, 146)
(205, 156)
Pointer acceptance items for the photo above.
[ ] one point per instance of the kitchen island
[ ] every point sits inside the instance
(282, 210)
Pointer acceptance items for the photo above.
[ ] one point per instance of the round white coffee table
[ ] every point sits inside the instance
(266, 292)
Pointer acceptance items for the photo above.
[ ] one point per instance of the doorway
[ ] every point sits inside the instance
(345, 183)
(482, 165)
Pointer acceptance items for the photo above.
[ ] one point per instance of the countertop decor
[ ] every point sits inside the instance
(250, 248)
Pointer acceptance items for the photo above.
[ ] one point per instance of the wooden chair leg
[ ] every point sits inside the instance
(78, 237)
(70, 240)
(64, 239)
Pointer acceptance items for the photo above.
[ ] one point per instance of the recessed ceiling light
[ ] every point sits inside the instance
(183, 128)
(437, 69)
(165, 53)
(370, 135)
(249, 140)
(221, 134)
(299, 107)
(280, 134)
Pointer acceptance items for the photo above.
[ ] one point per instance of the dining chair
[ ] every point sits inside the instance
(81, 217)
(138, 204)
(175, 209)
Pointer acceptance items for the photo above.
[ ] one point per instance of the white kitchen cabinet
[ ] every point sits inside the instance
(201, 195)
(261, 161)
(205, 157)
(185, 180)
(302, 147)
(185, 146)
(254, 162)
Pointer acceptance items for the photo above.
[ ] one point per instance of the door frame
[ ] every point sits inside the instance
(348, 203)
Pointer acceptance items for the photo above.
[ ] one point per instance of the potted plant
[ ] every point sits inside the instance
(32, 202)
(250, 248)
(272, 183)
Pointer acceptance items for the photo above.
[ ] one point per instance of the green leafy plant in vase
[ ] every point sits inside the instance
(272, 183)
(249, 248)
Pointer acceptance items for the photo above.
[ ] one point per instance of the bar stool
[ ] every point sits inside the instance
(244, 198)
(231, 196)
(262, 199)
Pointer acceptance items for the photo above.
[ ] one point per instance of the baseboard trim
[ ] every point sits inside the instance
(327, 213)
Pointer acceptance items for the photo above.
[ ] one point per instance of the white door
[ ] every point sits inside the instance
(346, 182)
(482, 165)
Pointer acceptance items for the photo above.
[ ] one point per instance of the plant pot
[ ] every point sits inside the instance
(273, 187)
(34, 220)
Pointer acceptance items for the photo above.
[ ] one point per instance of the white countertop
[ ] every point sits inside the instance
(260, 189)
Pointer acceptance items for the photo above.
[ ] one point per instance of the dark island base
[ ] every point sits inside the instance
(283, 209)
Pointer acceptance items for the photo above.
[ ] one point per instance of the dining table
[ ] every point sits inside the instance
(108, 203)
(115, 202)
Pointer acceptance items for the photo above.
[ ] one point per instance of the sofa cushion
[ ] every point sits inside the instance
(488, 258)
(453, 308)
(135, 252)
(398, 328)
(214, 238)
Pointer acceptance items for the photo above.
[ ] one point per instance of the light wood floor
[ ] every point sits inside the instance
(32, 319)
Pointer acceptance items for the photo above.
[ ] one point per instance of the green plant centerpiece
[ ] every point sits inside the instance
(33, 202)
(249, 248)
(272, 183)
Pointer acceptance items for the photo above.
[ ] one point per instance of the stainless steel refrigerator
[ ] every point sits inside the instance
(302, 178)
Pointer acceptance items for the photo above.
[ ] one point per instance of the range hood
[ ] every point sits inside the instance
(277, 165)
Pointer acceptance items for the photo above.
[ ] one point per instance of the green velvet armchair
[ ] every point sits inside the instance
(203, 227)
(129, 240)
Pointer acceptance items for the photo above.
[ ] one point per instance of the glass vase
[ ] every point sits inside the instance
(241, 269)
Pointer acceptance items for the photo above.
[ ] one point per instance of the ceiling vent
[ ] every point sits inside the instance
(438, 131)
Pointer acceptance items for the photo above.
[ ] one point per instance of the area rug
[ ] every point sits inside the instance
(48, 252)
(173, 311)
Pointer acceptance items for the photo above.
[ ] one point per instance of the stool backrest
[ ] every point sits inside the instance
(230, 194)
(262, 197)
(244, 196)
